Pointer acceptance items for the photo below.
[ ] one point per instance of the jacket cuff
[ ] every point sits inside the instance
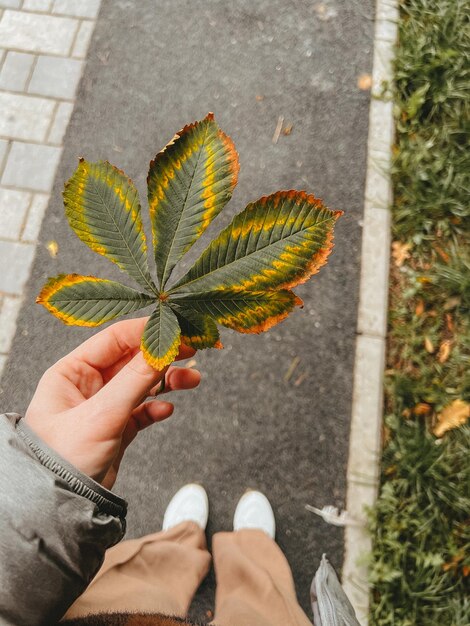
(81, 484)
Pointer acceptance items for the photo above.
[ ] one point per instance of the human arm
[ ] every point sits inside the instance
(57, 516)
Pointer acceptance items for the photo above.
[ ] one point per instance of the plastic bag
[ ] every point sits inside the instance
(330, 605)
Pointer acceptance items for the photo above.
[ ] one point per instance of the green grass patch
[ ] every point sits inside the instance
(420, 570)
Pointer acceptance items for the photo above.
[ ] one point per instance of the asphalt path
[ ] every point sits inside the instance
(272, 411)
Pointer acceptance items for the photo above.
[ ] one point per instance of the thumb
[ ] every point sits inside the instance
(125, 390)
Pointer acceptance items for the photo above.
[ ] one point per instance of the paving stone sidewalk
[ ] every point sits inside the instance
(43, 45)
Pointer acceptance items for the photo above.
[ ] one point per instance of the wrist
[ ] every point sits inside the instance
(86, 457)
(77, 480)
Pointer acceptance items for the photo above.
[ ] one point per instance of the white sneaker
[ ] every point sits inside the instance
(190, 503)
(254, 511)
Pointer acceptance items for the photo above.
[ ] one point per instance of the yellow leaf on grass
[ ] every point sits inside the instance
(422, 408)
(419, 310)
(400, 252)
(444, 351)
(449, 322)
(442, 253)
(452, 416)
(428, 345)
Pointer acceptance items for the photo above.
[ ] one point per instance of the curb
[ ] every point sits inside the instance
(369, 364)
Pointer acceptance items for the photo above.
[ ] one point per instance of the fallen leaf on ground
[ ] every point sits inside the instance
(428, 345)
(419, 310)
(444, 351)
(454, 563)
(442, 253)
(452, 416)
(364, 82)
(324, 12)
(424, 280)
(53, 248)
(288, 129)
(389, 471)
(191, 363)
(422, 408)
(451, 303)
(449, 322)
(331, 515)
(259, 98)
(300, 380)
(400, 252)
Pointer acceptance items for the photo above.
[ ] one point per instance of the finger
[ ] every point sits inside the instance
(112, 370)
(123, 393)
(178, 378)
(109, 345)
(148, 413)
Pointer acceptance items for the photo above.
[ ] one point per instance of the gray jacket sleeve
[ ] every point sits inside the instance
(55, 525)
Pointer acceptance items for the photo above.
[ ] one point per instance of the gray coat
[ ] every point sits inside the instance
(55, 525)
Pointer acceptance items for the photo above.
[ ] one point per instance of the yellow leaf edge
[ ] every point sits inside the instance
(55, 284)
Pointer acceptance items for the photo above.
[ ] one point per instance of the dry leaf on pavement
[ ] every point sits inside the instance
(364, 82)
(452, 416)
(53, 248)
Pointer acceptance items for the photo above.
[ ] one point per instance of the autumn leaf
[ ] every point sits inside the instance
(189, 183)
(444, 351)
(244, 278)
(422, 408)
(364, 82)
(103, 208)
(419, 309)
(428, 345)
(89, 301)
(442, 253)
(452, 416)
(53, 248)
(449, 322)
(400, 252)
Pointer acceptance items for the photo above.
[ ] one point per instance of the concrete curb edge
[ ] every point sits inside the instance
(367, 405)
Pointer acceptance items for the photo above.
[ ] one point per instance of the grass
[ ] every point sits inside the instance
(420, 570)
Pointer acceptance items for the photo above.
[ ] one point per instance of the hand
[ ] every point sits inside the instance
(89, 406)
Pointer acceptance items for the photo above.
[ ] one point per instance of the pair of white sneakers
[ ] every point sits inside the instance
(191, 503)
